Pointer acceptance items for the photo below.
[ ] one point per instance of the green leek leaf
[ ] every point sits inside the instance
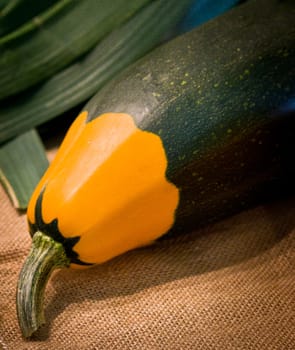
(56, 38)
(81, 80)
(22, 163)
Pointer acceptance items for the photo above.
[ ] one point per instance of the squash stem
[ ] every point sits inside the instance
(45, 256)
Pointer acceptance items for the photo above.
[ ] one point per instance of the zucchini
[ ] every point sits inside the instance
(76, 84)
(195, 131)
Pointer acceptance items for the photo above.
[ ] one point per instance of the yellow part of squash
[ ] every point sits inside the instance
(107, 185)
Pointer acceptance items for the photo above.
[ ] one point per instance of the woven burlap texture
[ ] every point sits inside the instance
(227, 286)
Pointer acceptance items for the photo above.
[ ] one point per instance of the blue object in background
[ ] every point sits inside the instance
(202, 11)
(288, 107)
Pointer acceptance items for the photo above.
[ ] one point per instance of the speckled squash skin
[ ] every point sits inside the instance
(218, 103)
(219, 98)
(197, 130)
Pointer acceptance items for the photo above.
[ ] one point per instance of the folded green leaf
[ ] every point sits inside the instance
(81, 80)
(22, 13)
(68, 34)
(3, 3)
(22, 163)
(15, 19)
(9, 6)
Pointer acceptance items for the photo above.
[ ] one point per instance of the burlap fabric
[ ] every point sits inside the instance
(228, 286)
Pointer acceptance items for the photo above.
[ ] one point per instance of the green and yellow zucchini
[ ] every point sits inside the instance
(72, 86)
(197, 130)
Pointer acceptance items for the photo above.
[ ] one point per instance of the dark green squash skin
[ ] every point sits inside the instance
(219, 98)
